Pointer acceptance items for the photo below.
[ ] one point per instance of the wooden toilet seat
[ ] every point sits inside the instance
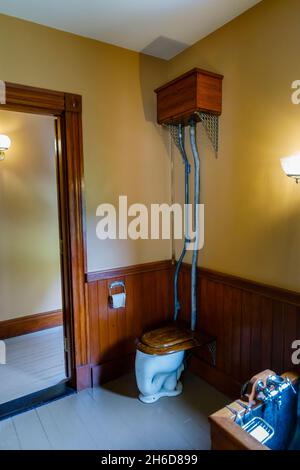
(171, 339)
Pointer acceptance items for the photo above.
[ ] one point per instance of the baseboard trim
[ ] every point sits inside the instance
(111, 370)
(83, 377)
(30, 324)
(215, 377)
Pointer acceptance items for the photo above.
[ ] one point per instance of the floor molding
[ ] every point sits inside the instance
(215, 377)
(30, 324)
(83, 377)
(112, 369)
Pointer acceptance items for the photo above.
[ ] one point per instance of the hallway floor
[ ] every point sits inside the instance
(33, 362)
(111, 417)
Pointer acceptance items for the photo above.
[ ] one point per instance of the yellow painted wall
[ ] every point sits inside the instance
(124, 150)
(252, 209)
(30, 280)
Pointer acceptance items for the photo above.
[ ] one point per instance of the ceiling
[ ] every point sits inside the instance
(162, 28)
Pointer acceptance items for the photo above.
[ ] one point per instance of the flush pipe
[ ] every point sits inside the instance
(193, 141)
(187, 170)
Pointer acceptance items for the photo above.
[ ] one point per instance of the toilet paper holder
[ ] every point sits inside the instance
(112, 286)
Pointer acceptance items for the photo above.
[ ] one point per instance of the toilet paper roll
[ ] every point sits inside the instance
(118, 300)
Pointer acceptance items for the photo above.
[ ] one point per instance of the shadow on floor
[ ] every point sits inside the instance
(199, 396)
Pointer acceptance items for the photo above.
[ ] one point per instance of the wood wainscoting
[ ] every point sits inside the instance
(113, 332)
(30, 324)
(255, 326)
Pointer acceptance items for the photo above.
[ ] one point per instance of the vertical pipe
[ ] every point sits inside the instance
(193, 140)
(172, 196)
(187, 170)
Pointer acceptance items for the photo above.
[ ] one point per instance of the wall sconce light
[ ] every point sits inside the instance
(291, 166)
(5, 143)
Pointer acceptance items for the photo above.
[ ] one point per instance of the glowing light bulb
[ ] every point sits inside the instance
(5, 143)
(291, 166)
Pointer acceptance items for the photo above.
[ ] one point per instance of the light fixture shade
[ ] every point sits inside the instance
(5, 142)
(291, 166)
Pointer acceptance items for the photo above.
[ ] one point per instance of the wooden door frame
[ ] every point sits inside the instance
(67, 108)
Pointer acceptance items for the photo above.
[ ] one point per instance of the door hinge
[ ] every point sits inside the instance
(66, 344)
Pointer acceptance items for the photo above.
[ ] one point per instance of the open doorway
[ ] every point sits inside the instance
(43, 328)
(31, 303)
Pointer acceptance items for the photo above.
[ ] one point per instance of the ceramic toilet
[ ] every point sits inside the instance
(159, 362)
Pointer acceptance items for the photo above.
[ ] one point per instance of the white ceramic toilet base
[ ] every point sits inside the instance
(162, 393)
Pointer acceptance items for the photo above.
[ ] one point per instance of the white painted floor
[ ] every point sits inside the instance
(111, 418)
(33, 362)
